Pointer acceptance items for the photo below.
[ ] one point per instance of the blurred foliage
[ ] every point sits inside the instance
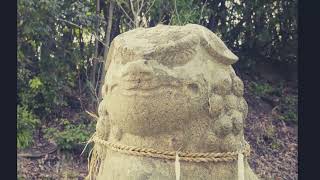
(52, 56)
(286, 106)
(26, 124)
(261, 89)
(60, 47)
(289, 109)
(70, 136)
(256, 30)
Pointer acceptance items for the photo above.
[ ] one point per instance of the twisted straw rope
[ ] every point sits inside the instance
(171, 155)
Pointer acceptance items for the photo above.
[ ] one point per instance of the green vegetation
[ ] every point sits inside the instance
(62, 44)
(50, 63)
(26, 124)
(270, 136)
(289, 109)
(261, 89)
(286, 107)
(71, 135)
(69, 174)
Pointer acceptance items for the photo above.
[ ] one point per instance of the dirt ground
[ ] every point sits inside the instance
(56, 165)
(274, 154)
(274, 149)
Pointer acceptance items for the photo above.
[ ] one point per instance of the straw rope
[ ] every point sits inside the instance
(171, 155)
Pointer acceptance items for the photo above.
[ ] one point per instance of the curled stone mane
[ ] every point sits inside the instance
(170, 89)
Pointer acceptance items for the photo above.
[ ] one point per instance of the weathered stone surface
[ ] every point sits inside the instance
(170, 88)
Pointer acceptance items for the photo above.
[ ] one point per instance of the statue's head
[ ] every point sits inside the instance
(160, 79)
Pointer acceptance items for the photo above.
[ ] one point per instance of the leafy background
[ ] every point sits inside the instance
(62, 44)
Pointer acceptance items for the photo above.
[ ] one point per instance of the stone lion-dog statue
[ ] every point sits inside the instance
(170, 93)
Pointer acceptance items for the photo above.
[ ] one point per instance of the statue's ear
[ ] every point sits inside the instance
(214, 45)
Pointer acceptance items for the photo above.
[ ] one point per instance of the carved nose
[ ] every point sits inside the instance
(137, 70)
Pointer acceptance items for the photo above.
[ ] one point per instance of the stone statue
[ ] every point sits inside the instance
(170, 89)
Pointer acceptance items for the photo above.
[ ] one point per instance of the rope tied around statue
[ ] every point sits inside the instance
(171, 155)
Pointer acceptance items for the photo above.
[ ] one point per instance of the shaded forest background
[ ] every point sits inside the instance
(62, 45)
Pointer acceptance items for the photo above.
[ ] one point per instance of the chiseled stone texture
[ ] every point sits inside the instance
(170, 88)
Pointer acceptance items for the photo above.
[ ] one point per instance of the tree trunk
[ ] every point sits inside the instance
(107, 42)
(116, 24)
(96, 53)
(214, 17)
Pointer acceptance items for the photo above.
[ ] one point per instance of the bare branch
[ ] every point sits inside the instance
(204, 4)
(79, 26)
(132, 8)
(99, 70)
(96, 53)
(92, 90)
(142, 4)
(96, 117)
(124, 12)
(150, 6)
(135, 14)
